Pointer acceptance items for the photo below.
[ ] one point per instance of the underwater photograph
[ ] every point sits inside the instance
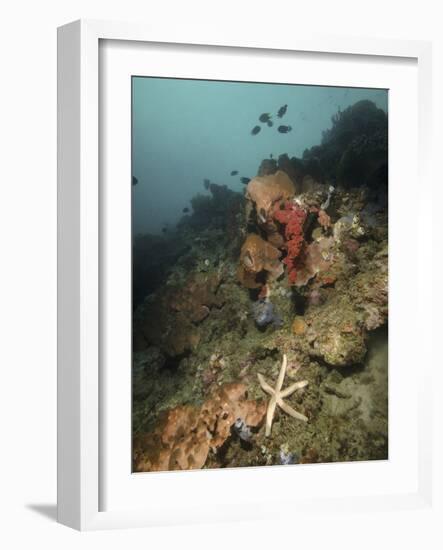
(259, 274)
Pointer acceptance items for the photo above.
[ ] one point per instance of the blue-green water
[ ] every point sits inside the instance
(187, 130)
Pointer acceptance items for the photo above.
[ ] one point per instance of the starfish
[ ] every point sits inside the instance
(277, 396)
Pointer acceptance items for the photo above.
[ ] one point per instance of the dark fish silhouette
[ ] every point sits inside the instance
(284, 129)
(185, 210)
(206, 183)
(134, 180)
(255, 130)
(245, 180)
(270, 123)
(234, 172)
(265, 117)
(164, 230)
(282, 111)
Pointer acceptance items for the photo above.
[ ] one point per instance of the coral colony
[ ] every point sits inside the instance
(260, 320)
(292, 216)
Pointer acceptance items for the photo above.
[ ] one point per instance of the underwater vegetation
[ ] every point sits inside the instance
(260, 319)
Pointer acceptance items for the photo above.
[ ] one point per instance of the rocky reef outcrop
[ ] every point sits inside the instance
(170, 318)
(354, 151)
(298, 265)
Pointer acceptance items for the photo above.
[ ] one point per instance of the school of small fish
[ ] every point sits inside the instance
(266, 118)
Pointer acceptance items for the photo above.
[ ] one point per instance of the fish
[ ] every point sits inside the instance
(265, 117)
(245, 180)
(234, 172)
(134, 180)
(255, 130)
(185, 210)
(270, 123)
(284, 129)
(164, 230)
(282, 111)
(206, 183)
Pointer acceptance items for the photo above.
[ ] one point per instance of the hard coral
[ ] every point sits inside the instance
(257, 256)
(185, 434)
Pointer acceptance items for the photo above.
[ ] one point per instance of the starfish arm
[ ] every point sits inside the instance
(281, 376)
(270, 415)
(292, 388)
(265, 386)
(289, 410)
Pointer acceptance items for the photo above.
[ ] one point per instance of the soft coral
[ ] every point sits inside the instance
(293, 217)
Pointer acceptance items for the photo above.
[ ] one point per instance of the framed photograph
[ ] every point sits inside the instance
(241, 276)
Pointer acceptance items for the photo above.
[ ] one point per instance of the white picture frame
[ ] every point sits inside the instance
(81, 395)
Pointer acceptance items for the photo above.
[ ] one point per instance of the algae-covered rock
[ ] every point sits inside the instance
(340, 349)
(170, 320)
(146, 365)
(331, 331)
